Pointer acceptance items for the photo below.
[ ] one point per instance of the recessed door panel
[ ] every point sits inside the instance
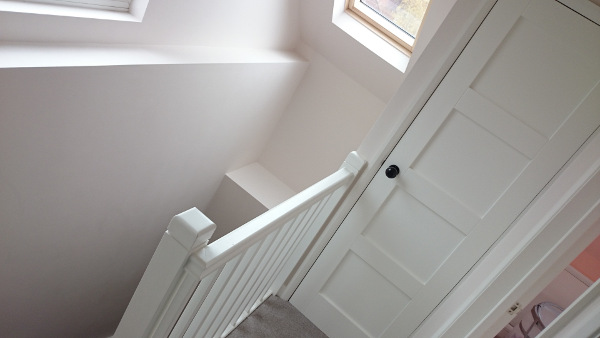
(469, 163)
(364, 295)
(501, 123)
(412, 235)
(526, 77)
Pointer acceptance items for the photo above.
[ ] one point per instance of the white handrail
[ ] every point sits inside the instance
(240, 239)
(191, 289)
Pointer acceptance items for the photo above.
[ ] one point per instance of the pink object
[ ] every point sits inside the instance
(588, 261)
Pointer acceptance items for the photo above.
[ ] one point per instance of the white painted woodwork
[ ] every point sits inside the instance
(519, 101)
(187, 232)
(207, 290)
(100, 10)
(562, 221)
(590, 9)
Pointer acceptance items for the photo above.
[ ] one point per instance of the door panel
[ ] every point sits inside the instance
(380, 299)
(525, 78)
(501, 123)
(518, 102)
(459, 157)
(415, 232)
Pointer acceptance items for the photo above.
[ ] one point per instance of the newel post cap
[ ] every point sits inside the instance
(191, 228)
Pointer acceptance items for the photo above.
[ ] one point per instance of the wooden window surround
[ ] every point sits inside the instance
(365, 12)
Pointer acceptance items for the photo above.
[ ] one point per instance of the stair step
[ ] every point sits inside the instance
(276, 318)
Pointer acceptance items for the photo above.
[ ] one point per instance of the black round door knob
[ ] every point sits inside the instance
(392, 171)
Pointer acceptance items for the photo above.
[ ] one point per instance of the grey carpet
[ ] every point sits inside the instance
(276, 318)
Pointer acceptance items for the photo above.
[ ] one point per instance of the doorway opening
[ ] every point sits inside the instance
(564, 289)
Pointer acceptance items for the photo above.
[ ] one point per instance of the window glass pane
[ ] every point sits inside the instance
(405, 14)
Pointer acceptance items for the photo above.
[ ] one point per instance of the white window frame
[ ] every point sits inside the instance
(378, 24)
(118, 10)
(348, 23)
(109, 5)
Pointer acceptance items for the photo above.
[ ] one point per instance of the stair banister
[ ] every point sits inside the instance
(187, 232)
(191, 289)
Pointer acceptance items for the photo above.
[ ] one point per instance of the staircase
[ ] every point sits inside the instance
(195, 289)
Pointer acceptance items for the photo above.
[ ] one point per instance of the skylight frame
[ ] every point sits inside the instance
(109, 5)
(381, 26)
(111, 10)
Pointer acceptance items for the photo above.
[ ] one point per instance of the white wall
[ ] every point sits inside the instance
(244, 194)
(231, 206)
(326, 119)
(355, 60)
(95, 162)
(343, 93)
(349, 56)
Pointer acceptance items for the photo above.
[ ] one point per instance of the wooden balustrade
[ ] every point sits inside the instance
(195, 289)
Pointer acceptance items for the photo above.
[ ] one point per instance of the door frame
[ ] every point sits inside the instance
(557, 226)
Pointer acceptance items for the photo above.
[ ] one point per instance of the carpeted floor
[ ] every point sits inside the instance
(276, 318)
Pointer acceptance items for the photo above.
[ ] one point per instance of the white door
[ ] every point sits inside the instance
(518, 103)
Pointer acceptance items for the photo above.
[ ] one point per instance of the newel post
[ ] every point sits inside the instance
(187, 232)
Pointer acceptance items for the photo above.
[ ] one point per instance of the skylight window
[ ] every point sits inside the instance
(397, 21)
(118, 10)
(111, 5)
